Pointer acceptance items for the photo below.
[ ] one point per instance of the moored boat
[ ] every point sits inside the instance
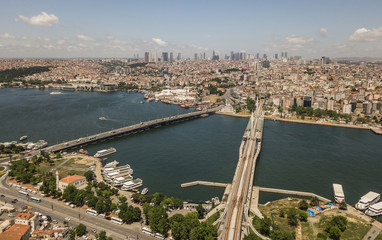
(367, 200)
(374, 210)
(339, 195)
(144, 191)
(23, 138)
(105, 152)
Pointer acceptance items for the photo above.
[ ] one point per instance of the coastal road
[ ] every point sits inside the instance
(59, 211)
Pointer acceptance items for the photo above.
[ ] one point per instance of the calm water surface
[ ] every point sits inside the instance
(294, 156)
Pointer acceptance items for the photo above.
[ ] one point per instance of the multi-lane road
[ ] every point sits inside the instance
(59, 211)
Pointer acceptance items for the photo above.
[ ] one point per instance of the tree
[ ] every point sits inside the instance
(58, 155)
(158, 220)
(343, 205)
(200, 211)
(72, 234)
(122, 199)
(89, 175)
(70, 193)
(281, 213)
(251, 236)
(303, 216)
(204, 231)
(292, 217)
(101, 236)
(81, 230)
(335, 233)
(303, 205)
(100, 206)
(314, 201)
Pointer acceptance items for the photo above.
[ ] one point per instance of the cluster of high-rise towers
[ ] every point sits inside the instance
(242, 55)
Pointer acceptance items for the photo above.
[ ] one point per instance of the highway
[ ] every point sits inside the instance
(59, 211)
(233, 216)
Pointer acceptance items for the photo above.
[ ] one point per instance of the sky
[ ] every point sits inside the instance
(123, 28)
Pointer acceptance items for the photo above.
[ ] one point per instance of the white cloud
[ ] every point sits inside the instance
(85, 38)
(7, 36)
(43, 19)
(293, 39)
(159, 42)
(61, 42)
(366, 35)
(323, 32)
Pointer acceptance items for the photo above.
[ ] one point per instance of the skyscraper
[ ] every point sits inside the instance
(282, 54)
(147, 57)
(257, 55)
(171, 57)
(195, 56)
(179, 57)
(164, 56)
(276, 55)
(285, 54)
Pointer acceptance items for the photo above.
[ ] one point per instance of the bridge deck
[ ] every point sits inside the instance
(128, 130)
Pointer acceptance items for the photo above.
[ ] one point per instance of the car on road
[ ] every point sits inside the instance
(55, 221)
(2, 195)
(67, 219)
(72, 205)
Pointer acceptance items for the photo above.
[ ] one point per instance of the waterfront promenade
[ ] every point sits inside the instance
(143, 126)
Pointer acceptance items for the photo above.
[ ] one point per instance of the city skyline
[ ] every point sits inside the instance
(124, 29)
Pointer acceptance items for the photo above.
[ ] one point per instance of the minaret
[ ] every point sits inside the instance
(57, 180)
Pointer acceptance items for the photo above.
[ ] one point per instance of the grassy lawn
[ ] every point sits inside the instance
(2, 168)
(213, 218)
(379, 237)
(71, 163)
(356, 227)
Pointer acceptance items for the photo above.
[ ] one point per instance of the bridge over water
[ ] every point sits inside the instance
(128, 130)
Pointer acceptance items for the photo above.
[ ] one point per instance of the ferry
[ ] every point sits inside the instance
(105, 152)
(339, 195)
(369, 199)
(111, 164)
(374, 210)
(184, 106)
(55, 93)
(23, 138)
(129, 185)
(141, 102)
(144, 191)
(102, 118)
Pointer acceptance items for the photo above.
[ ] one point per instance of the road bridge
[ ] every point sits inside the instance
(128, 130)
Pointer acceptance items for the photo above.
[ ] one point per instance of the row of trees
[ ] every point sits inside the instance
(24, 172)
(334, 227)
(11, 149)
(308, 111)
(268, 228)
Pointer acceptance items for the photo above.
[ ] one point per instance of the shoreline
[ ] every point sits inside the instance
(246, 116)
(299, 121)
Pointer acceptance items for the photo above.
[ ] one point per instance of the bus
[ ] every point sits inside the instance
(24, 194)
(34, 199)
(116, 220)
(146, 230)
(91, 212)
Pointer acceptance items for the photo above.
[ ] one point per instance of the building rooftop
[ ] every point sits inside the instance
(70, 179)
(24, 216)
(15, 232)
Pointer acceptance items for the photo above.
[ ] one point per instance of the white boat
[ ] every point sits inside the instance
(141, 102)
(55, 93)
(374, 210)
(369, 199)
(111, 164)
(144, 191)
(23, 138)
(105, 152)
(129, 185)
(102, 118)
(339, 195)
